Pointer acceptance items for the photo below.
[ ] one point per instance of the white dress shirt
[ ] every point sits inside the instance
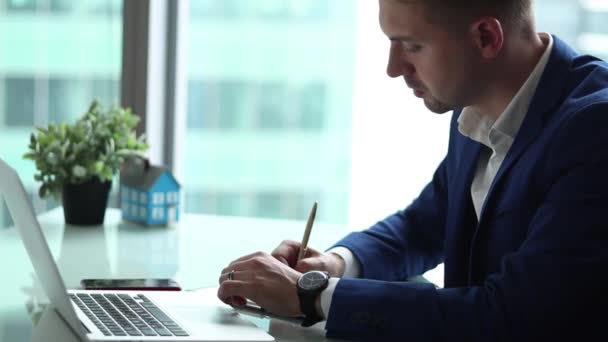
(497, 136)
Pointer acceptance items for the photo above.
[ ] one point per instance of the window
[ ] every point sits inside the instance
(311, 106)
(17, 5)
(124, 193)
(57, 56)
(143, 198)
(158, 198)
(19, 102)
(582, 24)
(262, 10)
(272, 106)
(158, 214)
(172, 197)
(270, 92)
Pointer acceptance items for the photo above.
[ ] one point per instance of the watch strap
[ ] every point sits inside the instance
(309, 309)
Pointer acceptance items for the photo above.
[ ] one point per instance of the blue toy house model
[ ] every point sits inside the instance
(148, 194)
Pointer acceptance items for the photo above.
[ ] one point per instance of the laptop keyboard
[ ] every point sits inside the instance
(125, 315)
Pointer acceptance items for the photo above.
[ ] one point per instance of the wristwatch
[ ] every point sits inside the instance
(310, 286)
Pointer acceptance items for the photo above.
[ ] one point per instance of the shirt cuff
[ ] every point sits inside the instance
(352, 267)
(327, 295)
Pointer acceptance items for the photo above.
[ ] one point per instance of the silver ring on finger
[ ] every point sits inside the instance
(231, 275)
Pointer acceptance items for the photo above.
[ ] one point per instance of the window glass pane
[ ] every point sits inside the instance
(57, 56)
(20, 5)
(582, 24)
(270, 91)
(311, 100)
(19, 102)
(272, 106)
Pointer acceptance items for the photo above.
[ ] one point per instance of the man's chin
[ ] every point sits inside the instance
(436, 106)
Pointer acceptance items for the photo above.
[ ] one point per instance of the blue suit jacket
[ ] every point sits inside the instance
(535, 265)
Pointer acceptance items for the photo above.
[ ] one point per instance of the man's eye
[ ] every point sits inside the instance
(410, 47)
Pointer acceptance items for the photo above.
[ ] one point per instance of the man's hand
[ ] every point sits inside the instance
(264, 280)
(287, 253)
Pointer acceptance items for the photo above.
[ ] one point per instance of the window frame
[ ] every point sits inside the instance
(153, 78)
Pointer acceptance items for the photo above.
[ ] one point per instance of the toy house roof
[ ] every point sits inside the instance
(140, 174)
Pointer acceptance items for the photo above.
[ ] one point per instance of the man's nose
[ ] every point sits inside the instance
(398, 65)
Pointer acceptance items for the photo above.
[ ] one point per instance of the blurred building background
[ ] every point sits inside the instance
(270, 92)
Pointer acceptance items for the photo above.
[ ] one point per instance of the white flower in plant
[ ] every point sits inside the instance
(51, 158)
(79, 171)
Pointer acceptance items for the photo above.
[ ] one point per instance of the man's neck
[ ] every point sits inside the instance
(520, 58)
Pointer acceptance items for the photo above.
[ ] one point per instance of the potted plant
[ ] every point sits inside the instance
(78, 161)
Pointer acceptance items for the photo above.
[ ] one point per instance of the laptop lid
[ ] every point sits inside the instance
(25, 220)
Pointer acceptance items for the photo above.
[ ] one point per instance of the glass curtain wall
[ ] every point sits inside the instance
(270, 96)
(57, 56)
(282, 106)
(288, 103)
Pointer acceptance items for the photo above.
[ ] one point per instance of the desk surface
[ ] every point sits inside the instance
(192, 251)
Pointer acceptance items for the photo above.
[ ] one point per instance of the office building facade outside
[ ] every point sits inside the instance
(270, 91)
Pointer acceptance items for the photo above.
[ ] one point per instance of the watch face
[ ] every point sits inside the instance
(312, 280)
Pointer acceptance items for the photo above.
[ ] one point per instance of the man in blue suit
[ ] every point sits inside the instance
(517, 210)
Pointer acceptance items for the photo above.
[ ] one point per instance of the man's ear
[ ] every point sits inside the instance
(488, 36)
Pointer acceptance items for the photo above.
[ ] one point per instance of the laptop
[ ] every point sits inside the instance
(121, 315)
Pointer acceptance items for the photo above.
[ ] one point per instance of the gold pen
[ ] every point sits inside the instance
(311, 220)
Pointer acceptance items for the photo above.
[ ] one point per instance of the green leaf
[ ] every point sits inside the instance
(96, 144)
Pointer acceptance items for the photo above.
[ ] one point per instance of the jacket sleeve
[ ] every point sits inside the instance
(550, 289)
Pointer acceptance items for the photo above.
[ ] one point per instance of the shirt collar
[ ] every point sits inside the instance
(499, 135)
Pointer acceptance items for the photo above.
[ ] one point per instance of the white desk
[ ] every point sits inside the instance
(193, 252)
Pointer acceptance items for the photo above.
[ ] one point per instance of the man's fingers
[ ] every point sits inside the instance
(234, 288)
(227, 274)
(233, 300)
(306, 265)
(281, 259)
(240, 264)
(244, 258)
(334, 264)
(237, 301)
(287, 252)
(237, 276)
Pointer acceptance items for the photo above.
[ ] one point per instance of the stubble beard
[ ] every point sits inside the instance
(432, 103)
(436, 106)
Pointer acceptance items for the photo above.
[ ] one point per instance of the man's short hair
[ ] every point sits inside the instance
(516, 13)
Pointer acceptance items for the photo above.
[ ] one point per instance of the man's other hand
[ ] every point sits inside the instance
(264, 280)
(287, 253)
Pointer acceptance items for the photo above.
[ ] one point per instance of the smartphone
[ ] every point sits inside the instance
(131, 284)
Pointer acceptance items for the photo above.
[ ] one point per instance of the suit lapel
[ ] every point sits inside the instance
(543, 104)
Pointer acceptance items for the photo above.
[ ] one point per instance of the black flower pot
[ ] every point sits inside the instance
(85, 204)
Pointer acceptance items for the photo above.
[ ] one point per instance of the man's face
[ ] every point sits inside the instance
(436, 63)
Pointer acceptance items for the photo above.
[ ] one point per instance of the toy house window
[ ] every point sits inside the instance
(142, 212)
(172, 197)
(134, 210)
(158, 198)
(157, 213)
(143, 198)
(125, 208)
(134, 196)
(125, 194)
